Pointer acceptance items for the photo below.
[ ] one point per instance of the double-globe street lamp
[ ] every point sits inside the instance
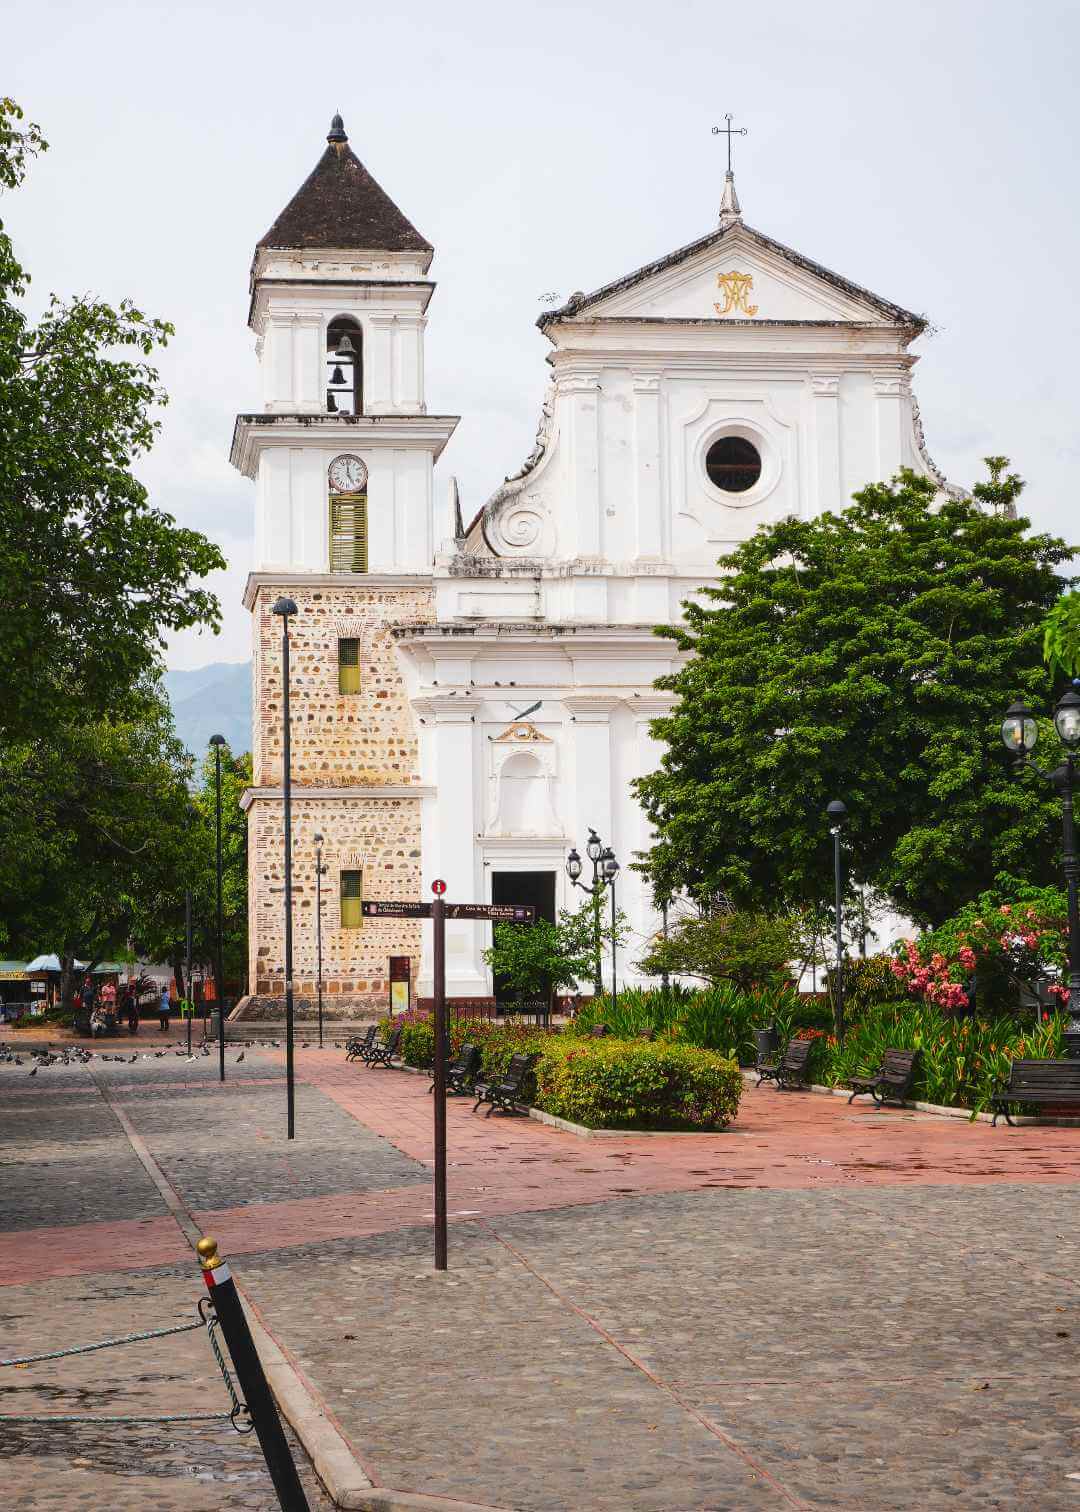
(1019, 732)
(605, 870)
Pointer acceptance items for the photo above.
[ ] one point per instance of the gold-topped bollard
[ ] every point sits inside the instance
(249, 1373)
(206, 1249)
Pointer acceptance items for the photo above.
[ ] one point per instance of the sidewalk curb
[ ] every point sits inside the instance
(925, 1107)
(335, 1462)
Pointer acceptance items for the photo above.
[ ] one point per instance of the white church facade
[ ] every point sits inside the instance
(469, 699)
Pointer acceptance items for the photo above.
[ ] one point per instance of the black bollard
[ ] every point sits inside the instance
(249, 1374)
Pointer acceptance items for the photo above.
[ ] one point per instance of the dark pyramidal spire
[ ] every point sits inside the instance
(340, 205)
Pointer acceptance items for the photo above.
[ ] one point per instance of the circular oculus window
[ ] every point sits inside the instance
(733, 464)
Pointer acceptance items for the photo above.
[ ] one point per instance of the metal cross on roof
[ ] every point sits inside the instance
(729, 131)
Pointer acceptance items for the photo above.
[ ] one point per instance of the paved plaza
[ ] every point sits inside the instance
(827, 1306)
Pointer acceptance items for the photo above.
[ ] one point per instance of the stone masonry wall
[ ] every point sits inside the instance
(364, 740)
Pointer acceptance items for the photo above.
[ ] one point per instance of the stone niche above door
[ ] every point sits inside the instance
(522, 774)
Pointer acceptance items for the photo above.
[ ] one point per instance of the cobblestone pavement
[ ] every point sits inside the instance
(823, 1307)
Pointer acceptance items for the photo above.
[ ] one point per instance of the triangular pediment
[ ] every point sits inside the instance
(736, 274)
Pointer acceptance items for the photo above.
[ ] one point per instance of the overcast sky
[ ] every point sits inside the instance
(926, 150)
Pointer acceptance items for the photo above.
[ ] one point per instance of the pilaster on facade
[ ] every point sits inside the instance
(892, 418)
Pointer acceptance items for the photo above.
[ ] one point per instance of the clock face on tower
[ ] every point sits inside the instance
(348, 475)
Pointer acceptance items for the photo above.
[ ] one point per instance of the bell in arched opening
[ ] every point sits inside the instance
(344, 345)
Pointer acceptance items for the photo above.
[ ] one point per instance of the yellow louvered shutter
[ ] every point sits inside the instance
(348, 653)
(352, 896)
(348, 532)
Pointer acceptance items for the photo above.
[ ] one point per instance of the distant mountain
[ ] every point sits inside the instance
(212, 700)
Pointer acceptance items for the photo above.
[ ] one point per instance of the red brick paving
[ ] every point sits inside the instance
(79, 1249)
(501, 1165)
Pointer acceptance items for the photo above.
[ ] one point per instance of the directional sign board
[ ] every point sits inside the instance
(503, 913)
(506, 913)
(396, 910)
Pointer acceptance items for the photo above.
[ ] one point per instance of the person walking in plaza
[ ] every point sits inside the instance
(108, 1005)
(164, 1008)
(131, 1008)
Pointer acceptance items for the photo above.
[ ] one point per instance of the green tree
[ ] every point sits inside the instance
(867, 655)
(537, 959)
(92, 576)
(93, 826)
(1061, 636)
(743, 946)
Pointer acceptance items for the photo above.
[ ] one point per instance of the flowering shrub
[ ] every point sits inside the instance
(961, 1060)
(637, 1084)
(1005, 945)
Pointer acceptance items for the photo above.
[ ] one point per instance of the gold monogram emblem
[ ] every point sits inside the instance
(736, 287)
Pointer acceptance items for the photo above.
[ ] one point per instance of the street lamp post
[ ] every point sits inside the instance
(318, 927)
(837, 814)
(610, 868)
(594, 850)
(286, 608)
(1019, 732)
(217, 741)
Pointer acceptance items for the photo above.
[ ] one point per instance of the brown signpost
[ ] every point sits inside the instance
(438, 912)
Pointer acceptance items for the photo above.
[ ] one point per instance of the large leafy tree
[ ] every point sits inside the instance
(157, 903)
(868, 656)
(92, 575)
(95, 822)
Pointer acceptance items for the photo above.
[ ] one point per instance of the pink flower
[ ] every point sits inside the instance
(1031, 941)
(1006, 909)
(967, 958)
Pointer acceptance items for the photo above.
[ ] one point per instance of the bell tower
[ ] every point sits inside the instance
(342, 456)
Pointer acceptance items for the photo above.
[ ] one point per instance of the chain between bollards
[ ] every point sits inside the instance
(261, 1406)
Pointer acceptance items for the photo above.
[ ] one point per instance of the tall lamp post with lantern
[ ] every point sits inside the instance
(1019, 733)
(594, 850)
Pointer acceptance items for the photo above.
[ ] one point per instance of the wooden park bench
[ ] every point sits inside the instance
(1038, 1082)
(892, 1080)
(765, 1061)
(380, 1054)
(461, 1072)
(506, 1092)
(354, 1048)
(792, 1070)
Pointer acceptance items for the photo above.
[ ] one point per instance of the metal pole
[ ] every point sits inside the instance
(188, 994)
(1071, 859)
(599, 982)
(253, 1384)
(665, 976)
(438, 920)
(218, 743)
(318, 932)
(290, 1090)
(838, 1001)
(614, 983)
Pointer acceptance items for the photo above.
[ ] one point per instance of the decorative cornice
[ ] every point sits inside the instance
(334, 794)
(270, 578)
(254, 432)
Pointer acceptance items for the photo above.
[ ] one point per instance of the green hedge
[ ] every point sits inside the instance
(604, 1083)
(628, 1084)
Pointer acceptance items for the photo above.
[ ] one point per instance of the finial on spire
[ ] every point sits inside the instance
(337, 130)
(730, 209)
